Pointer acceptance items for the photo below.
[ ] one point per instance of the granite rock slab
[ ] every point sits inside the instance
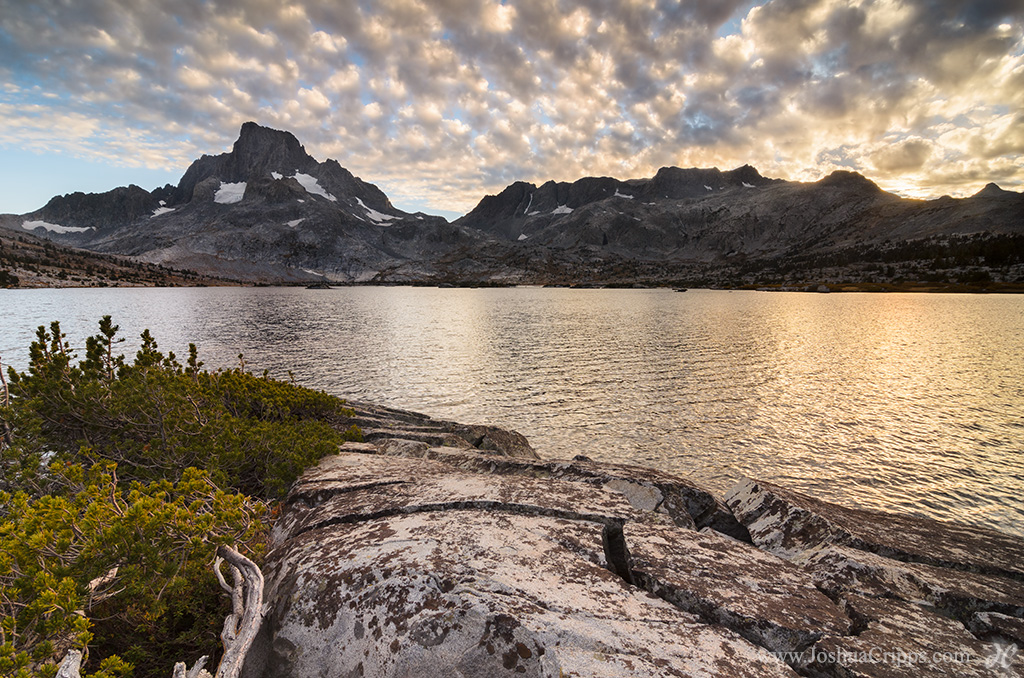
(478, 594)
(769, 601)
(895, 639)
(787, 523)
(687, 503)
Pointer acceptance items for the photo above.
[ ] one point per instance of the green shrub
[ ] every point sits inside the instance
(118, 480)
(137, 557)
(156, 417)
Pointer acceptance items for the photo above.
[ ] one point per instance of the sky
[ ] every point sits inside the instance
(440, 102)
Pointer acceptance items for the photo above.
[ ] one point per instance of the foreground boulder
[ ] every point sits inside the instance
(788, 523)
(925, 597)
(395, 558)
(685, 502)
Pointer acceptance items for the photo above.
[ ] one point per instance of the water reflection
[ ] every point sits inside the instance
(908, 402)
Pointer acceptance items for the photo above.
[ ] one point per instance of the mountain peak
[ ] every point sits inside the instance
(747, 175)
(991, 190)
(254, 136)
(256, 153)
(850, 180)
(260, 150)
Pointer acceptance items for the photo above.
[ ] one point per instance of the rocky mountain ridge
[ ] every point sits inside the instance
(268, 211)
(265, 211)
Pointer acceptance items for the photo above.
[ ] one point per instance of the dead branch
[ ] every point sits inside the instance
(7, 437)
(69, 668)
(242, 625)
(180, 670)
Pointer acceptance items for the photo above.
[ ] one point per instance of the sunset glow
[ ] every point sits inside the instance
(440, 102)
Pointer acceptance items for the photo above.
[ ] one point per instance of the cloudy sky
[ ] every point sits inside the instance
(442, 101)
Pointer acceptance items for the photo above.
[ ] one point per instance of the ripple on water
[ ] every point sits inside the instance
(900, 402)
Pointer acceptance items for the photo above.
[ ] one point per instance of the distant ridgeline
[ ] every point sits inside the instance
(27, 260)
(268, 212)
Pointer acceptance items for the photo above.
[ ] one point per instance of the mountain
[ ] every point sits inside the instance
(719, 226)
(268, 211)
(265, 211)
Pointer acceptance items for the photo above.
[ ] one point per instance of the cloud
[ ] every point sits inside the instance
(446, 100)
(906, 155)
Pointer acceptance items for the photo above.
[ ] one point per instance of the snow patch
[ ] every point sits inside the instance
(378, 217)
(295, 222)
(162, 210)
(621, 195)
(55, 228)
(162, 203)
(746, 185)
(708, 187)
(276, 175)
(561, 209)
(522, 236)
(313, 186)
(533, 213)
(528, 205)
(229, 194)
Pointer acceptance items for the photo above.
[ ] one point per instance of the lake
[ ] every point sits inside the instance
(906, 402)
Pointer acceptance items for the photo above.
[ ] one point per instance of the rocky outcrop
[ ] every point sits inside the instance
(788, 523)
(387, 566)
(400, 558)
(394, 430)
(687, 504)
(922, 593)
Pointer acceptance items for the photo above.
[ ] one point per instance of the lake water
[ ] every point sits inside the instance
(893, 401)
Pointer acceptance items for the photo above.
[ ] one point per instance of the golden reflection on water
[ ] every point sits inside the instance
(900, 402)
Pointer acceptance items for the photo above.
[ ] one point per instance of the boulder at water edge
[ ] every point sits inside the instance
(439, 561)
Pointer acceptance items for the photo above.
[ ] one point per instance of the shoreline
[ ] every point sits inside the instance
(816, 288)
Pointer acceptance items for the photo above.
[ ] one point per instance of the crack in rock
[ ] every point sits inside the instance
(767, 600)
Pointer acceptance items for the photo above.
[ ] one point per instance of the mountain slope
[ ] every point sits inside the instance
(266, 210)
(702, 219)
(29, 261)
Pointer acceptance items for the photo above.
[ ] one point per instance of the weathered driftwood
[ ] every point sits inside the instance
(241, 626)
(6, 435)
(197, 671)
(70, 666)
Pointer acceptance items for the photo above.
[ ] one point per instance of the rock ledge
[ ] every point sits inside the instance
(399, 557)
